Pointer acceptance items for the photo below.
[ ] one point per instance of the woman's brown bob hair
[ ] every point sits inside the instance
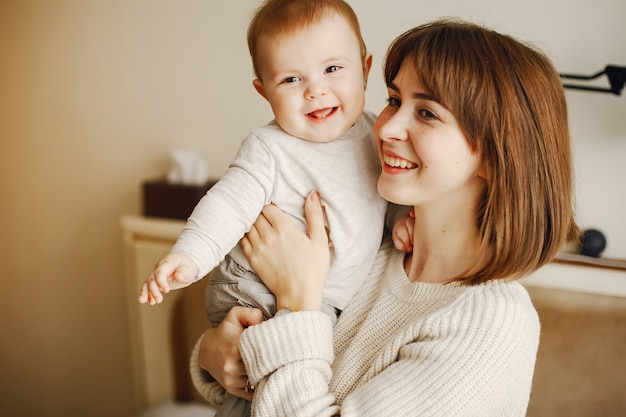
(509, 101)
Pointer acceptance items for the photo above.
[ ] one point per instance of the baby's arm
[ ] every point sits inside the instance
(174, 271)
(217, 223)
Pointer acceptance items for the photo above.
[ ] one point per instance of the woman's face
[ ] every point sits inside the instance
(425, 157)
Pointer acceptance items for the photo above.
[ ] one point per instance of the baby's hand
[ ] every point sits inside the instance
(402, 233)
(172, 272)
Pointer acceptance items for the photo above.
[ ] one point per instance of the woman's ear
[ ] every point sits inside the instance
(258, 86)
(482, 172)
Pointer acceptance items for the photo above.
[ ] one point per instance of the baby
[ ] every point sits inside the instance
(311, 65)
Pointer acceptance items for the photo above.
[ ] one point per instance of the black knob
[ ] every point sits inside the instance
(592, 243)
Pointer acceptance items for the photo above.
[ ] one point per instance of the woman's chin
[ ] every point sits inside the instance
(390, 192)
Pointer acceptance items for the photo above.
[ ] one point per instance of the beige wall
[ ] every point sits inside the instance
(95, 93)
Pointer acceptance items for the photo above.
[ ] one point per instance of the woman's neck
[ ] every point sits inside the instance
(444, 247)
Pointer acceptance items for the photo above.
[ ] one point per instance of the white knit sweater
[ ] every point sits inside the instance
(399, 349)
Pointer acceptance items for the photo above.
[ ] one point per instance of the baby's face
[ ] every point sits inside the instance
(314, 79)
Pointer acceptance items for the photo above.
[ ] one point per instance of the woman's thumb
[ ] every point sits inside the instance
(314, 212)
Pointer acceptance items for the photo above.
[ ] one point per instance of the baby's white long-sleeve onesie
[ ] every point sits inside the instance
(275, 167)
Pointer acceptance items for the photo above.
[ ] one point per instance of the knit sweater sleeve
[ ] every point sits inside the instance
(206, 386)
(289, 359)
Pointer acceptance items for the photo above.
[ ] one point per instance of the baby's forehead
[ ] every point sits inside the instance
(322, 34)
(296, 27)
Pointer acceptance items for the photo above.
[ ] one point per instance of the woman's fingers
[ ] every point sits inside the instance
(235, 377)
(219, 350)
(262, 224)
(293, 265)
(270, 217)
(314, 213)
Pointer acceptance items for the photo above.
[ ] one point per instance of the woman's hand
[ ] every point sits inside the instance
(219, 350)
(292, 264)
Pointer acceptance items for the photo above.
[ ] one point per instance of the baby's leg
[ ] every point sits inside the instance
(234, 407)
(231, 284)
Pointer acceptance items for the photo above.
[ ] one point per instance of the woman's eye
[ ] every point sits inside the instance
(332, 68)
(427, 114)
(393, 102)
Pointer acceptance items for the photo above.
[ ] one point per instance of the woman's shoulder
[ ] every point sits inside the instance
(500, 304)
(502, 293)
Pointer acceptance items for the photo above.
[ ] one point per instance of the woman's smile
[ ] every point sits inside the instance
(394, 161)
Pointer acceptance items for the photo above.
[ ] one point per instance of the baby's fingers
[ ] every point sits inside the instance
(155, 292)
(143, 294)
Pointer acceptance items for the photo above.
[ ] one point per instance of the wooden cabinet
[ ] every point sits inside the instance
(146, 240)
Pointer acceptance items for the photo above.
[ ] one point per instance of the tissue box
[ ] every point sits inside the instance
(174, 201)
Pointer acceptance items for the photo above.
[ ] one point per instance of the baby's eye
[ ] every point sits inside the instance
(292, 79)
(393, 102)
(333, 68)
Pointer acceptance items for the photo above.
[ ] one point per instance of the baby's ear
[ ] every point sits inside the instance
(367, 65)
(258, 86)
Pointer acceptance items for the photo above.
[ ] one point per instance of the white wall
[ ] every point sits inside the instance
(95, 93)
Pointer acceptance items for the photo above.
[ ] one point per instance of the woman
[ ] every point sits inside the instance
(475, 139)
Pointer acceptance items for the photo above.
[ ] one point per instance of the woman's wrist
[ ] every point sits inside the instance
(295, 307)
(302, 293)
(308, 300)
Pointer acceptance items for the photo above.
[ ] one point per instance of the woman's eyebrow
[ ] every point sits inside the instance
(430, 97)
(393, 87)
(424, 96)
(418, 96)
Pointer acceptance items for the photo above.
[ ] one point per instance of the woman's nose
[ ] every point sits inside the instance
(393, 127)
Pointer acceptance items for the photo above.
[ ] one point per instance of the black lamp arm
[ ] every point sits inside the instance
(615, 74)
